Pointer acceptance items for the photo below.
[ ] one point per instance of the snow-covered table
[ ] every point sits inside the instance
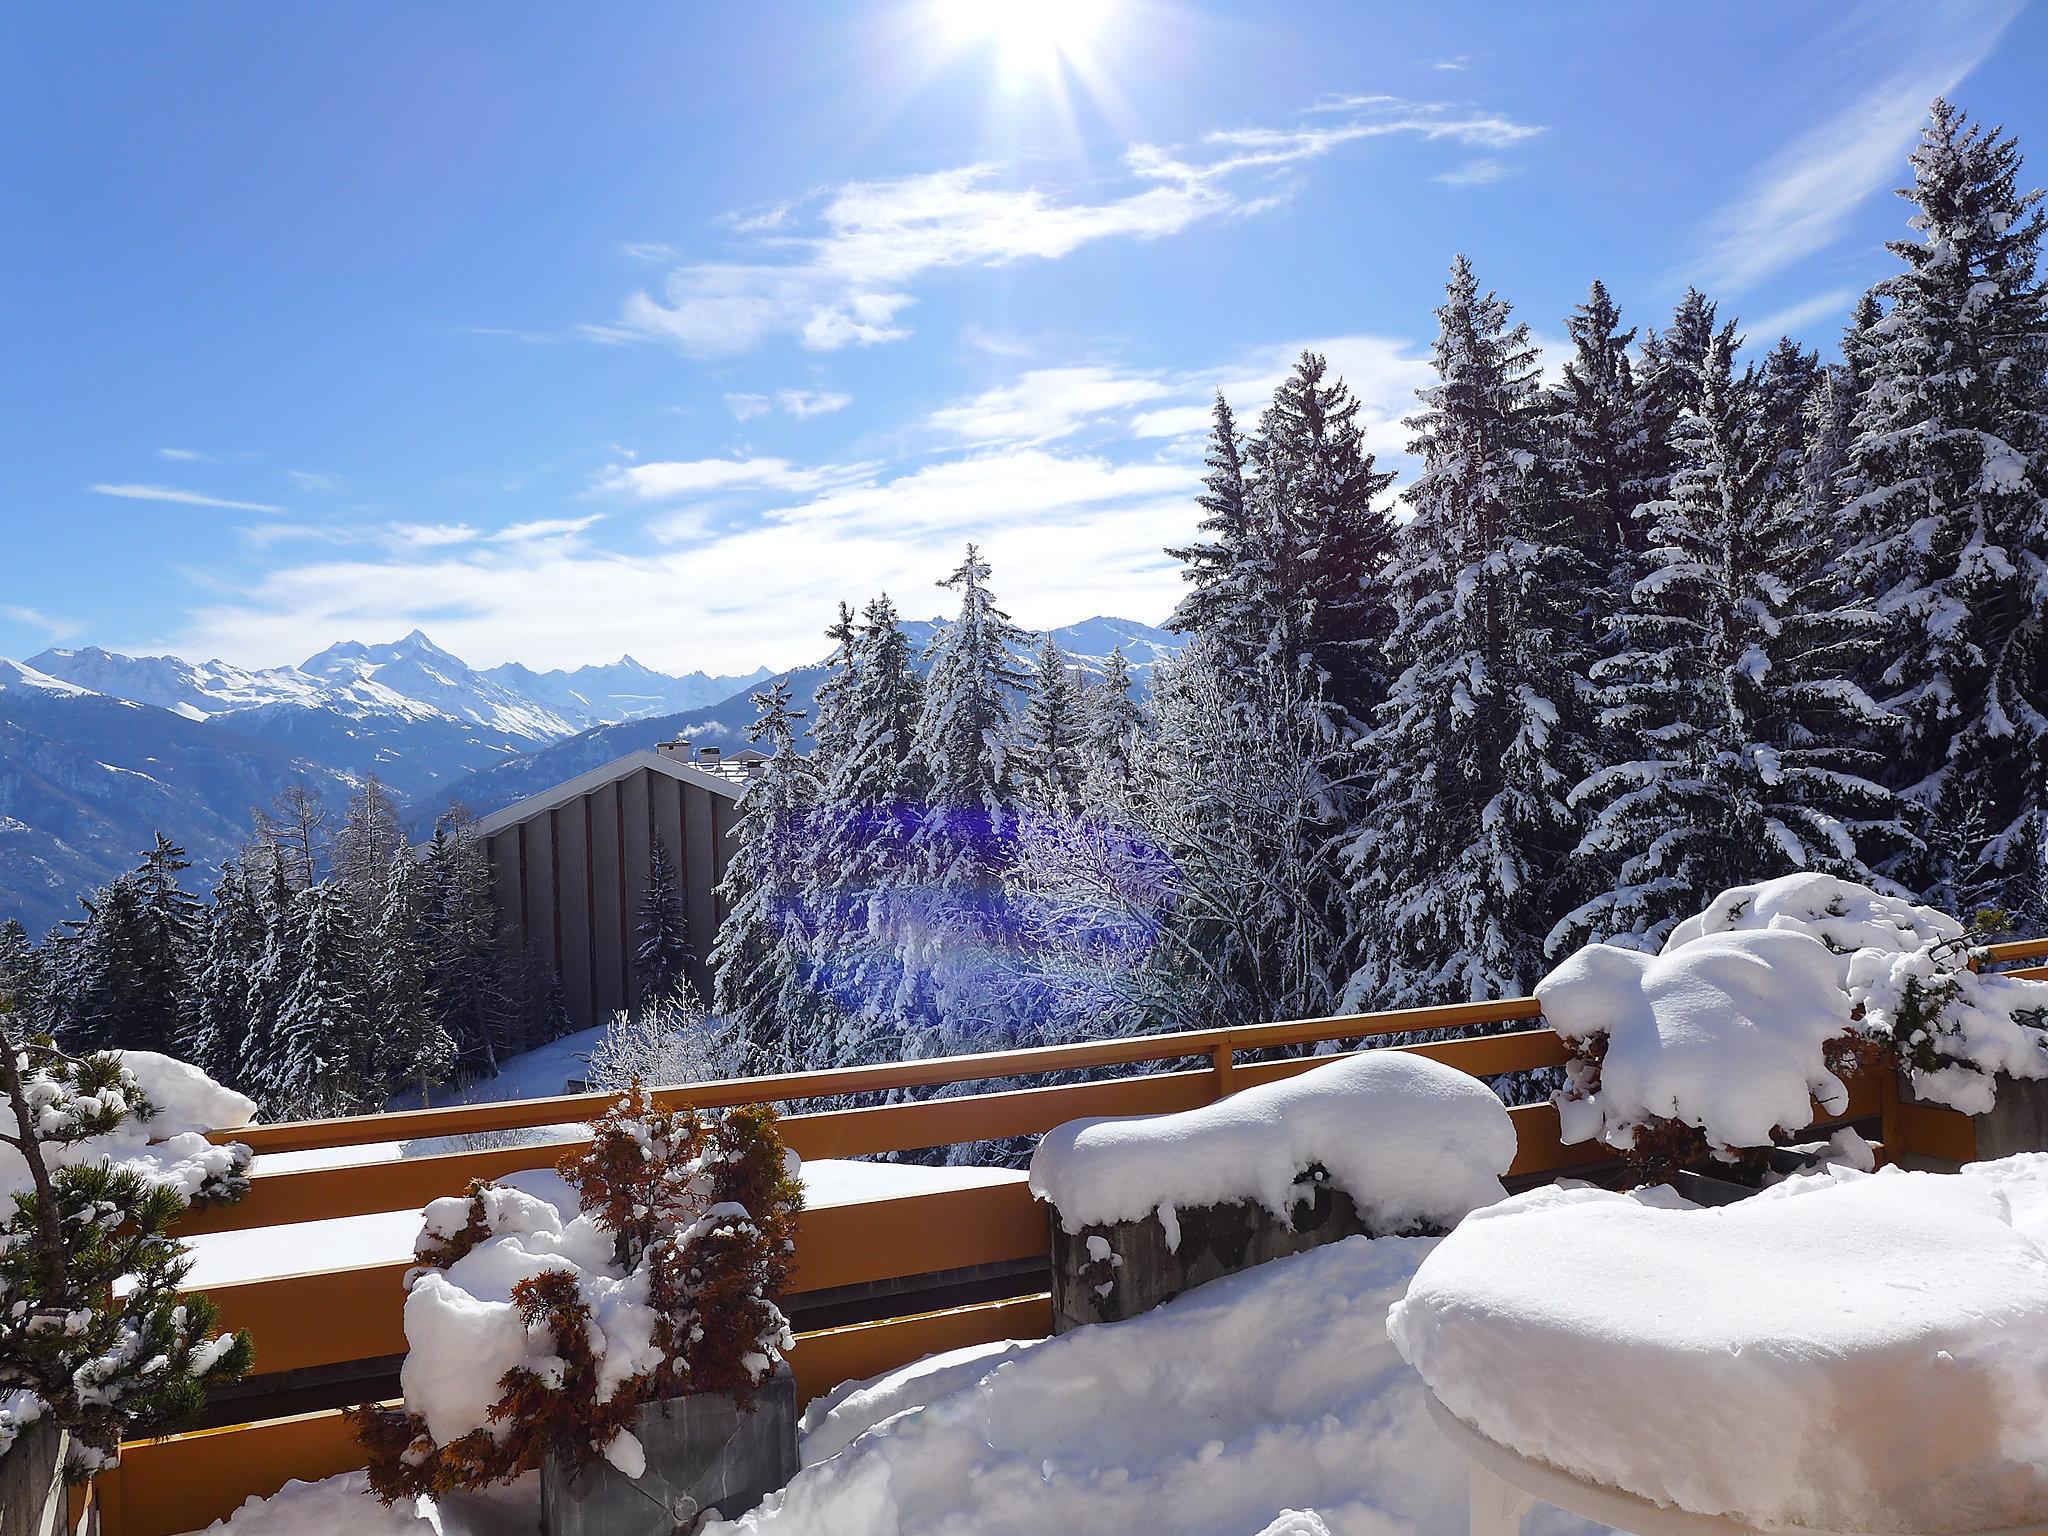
(1505, 1485)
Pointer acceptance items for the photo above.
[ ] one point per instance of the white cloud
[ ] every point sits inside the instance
(747, 407)
(1046, 403)
(1475, 173)
(1794, 318)
(313, 480)
(669, 479)
(1802, 199)
(848, 280)
(182, 498)
(805, 403)
(185, 455)
(52, 629)
(544, 528)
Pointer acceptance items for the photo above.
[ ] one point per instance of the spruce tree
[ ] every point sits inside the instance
(1670, 378)
(1465, 850)
(661, 955)
(1053, 736)
(409, 1049)
(271, 979)
(1736, 689)
(1226, 570)
(369, 836)
(758, 962)
(323, 1044)
(1595, 427)
(1115, 727)
(232, 948)
(1950, 478)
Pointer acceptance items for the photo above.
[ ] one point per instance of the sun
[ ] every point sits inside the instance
(1033, 38)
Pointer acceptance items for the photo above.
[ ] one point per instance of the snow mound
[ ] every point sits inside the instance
(1412, 1141)
(344, 1506)
(1244, 1403)
(851, 1409)
(170, 1147)
(1845, 1351)
(1733, 1025)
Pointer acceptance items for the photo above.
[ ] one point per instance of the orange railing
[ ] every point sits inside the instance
(333, 1317)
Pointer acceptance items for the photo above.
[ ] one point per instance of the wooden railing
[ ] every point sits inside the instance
(331, 1317)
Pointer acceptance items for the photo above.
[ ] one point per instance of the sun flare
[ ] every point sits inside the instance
(1032, 37)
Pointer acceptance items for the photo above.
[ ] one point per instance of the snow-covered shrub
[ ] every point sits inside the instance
(547, 1308)
(669, 1040)
(94, 1331)
(1766, 1000)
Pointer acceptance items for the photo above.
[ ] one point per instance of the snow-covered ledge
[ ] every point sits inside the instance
(1146, 1208)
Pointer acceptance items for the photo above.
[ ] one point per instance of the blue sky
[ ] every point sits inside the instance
(564, 332)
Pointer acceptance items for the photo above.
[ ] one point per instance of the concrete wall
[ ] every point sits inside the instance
(569, 881)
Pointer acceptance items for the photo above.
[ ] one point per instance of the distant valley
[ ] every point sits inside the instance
(98, 750)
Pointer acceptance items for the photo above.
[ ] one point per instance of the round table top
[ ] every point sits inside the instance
(1613, 1506)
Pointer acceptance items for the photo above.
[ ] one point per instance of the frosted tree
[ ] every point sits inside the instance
(1831, 419)
(293, 832)
(1227, 570)
(322, 1041)
(232, 947)
(861, 867)
(488, 1007)
(834, 725)
(24, 976)
(1736, 688)
(1465, 850)
(271, 976)
(667, 1041)
(759, 960)
(661, 955)
(1670, 377)
(954, 917)
(410, 1048)
(1053, 735)
(1115, 727)
(1949, 472)
(126, 965)
(1596, 429)
(363, 846)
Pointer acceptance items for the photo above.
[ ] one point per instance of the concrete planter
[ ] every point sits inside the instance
(704, 1458)
(1104, 1274)
(2018, 1122)
(34, 1500)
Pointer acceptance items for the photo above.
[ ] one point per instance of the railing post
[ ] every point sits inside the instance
(1224, 1055)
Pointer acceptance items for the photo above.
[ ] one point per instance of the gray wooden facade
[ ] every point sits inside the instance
(569, 867)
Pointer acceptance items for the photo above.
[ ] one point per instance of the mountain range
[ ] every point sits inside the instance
(99, 750)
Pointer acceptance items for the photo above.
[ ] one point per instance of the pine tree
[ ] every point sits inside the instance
(1736, 687)
(1831, 421)
(1227, 571)
(1950, 478)
(271, 979)
(1465, 852)
(758, 962)
(1115, 727)
(661, 958)
(1670, 382)
(477, 1000)
(1329, 537)
(955, 919)
(221, 983)
(861, 863)
(369, 836)
(1053, 736)
(323, 1041)
(1595, 425)
(409, 1047)
(24, 977)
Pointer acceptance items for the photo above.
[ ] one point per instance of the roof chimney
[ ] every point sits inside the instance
(708, 756)
(680, 747)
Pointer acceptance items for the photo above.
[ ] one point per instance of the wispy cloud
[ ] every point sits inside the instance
(847, 275)
(801, 404)
(1475, 173)
(1801, 200)
(671, 479)
(313, 480)
(52, 629)
(1795, 318)
(1046, 403)
(544, 528)
(185, 455)
(181, 497)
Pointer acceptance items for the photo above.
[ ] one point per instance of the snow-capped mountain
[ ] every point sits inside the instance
(624, 690)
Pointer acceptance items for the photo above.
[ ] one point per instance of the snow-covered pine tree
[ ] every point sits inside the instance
(1949, 472)
(1737, 685)
(1831, 420)
(1227, 570)
(1595, 428)
(1052, 737)
(228, 956)
(661, 955)
(758, 962)
(1669, 381)
(486, 1005)
(1115, 726)
(408, 1048)
(323, 1044)
(1318, 507)
(861, 865)
(1463, 861)
(271, 976)
(833, 724)
(24, 977)
(964, 748)
(363, 847)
